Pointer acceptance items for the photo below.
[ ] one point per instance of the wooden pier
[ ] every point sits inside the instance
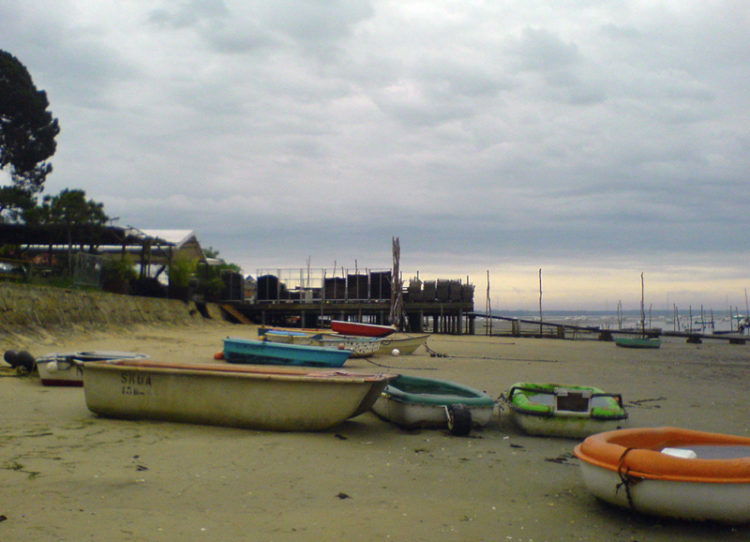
(520, 327)
(450, 317)
(311, 298)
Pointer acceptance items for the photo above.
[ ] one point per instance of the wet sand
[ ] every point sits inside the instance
(66, 474)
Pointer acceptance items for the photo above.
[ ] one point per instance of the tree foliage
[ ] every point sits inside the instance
(68, 209)
(27, 134)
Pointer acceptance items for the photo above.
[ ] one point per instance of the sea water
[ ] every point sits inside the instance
(612, 320)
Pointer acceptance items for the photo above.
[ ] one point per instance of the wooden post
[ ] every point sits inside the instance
(541, 319)
(488, 309)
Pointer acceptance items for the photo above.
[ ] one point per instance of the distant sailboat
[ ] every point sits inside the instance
(644, 341)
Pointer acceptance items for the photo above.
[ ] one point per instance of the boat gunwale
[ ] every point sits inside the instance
(252, 372)
(278, 346)
(637, 342)
(547, 411)
(373, 330)
(477, 399)
(632, 453)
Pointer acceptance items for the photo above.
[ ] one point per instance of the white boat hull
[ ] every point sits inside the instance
(564, 426)
(405, 345)
(360, 348)
(721, 502)
(65, 369)
(412, 415)
(60, 373)
(276, 398)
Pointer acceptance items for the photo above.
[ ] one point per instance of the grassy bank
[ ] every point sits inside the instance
(29, 310)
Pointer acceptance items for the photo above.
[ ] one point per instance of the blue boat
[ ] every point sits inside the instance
(238, 350)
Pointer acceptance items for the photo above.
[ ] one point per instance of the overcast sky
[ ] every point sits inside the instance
(594, 140)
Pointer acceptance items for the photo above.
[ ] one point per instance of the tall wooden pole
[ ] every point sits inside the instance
(397, 300)
(488, 308)
(540, 301)
(643, 312)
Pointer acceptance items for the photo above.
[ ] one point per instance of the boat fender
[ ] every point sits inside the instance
(395, 352)
(25, 360)
(459, 420)
(11, 357)
(219, 355)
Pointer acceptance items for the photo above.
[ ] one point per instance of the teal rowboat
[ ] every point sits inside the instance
(553, 410)
(272, 353)
(412, 402)
(638, 342)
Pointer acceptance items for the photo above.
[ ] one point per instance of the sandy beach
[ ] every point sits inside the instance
(66, 474)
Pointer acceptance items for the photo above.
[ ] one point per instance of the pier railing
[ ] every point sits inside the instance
(301, 285)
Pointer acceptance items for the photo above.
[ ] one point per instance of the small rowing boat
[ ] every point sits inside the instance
(237, 350)
(638, 342)
(269, 398)
(553, 410)
(360, 329)
(288, 336)
(66, 369)
(403, 344)
(360, 347)
(412, 402)
(670, 472)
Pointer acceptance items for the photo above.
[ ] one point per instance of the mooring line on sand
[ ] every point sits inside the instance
(434, 354)
(393, 367)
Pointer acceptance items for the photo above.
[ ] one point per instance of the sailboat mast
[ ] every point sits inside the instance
(643, 312)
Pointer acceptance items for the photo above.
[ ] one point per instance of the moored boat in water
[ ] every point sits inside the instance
(555, 410)
(670, 472)
(259, 397)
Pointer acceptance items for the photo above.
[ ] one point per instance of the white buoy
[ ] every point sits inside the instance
(395, 352)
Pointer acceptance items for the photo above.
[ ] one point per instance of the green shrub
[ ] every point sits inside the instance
(117, 274)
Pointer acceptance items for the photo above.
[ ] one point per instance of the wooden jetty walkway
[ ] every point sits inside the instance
(520, 327)
(437, 317)
(309, 298)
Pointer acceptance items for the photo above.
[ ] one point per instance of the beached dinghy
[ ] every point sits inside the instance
(553, 410)
(65, 369)
(260, 397)
(238, 350)
(288, 336)
(360, 329)
(404, 345)
(638, 342)
(360, 347)
(670, 472)
(411, 402)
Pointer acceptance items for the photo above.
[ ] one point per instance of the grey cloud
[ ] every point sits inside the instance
(482, 135)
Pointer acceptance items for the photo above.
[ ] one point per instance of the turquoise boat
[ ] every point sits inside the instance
(238, 350)
(638, 342)
(554, 410)
(413, 402)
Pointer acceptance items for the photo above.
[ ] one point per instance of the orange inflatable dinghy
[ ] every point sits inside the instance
(670, 472)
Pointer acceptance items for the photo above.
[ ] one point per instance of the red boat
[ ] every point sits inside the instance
(363, 330)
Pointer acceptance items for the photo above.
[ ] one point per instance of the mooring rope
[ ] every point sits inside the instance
(626, 480)
(435, 354)
(383, 366)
